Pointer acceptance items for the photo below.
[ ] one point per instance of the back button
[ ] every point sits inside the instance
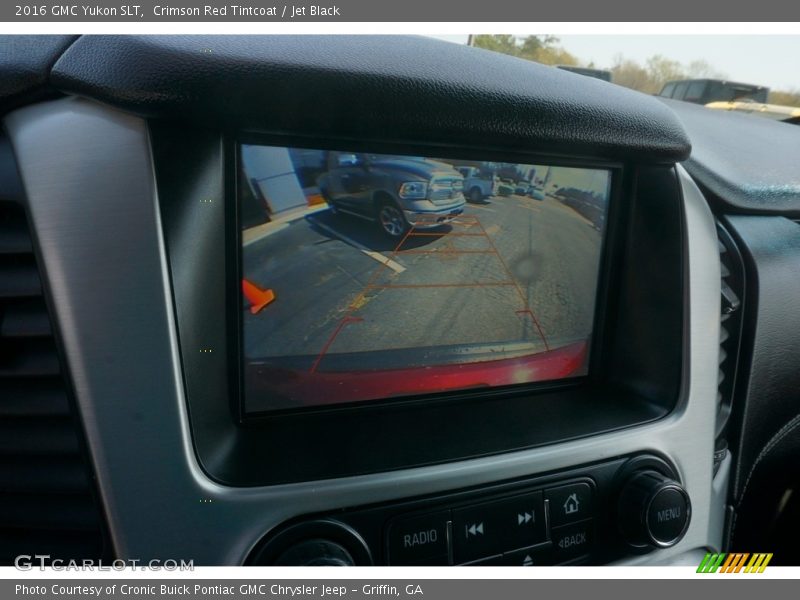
(572, 541)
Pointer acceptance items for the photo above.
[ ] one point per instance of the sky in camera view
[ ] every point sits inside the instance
(758, 59)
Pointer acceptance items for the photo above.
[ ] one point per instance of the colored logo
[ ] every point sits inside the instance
(734, 562)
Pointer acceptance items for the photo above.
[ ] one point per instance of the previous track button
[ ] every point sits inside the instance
(498, 526)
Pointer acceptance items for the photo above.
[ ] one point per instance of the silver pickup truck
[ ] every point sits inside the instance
(478, 185)
(396, 191)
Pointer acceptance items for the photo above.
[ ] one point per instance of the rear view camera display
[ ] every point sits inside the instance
(373, 276)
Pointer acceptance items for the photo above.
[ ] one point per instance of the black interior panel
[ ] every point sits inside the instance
(379, 88)
(749, 164)
(651, 307)
(771, 249)
(768, 409)
(25, 62)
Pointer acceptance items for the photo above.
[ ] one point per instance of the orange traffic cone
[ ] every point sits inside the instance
(257, 297)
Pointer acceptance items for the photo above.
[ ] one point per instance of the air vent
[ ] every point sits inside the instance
(731, 308)
(47, 500)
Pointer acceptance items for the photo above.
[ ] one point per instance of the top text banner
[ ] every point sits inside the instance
(343, 11)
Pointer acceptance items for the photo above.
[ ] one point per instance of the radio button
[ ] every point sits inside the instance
(497, 527)
(569, 503)
(420, 540)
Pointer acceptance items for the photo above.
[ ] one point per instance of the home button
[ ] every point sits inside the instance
(569, 503)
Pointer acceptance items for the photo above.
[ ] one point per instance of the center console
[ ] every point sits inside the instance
(589, 515)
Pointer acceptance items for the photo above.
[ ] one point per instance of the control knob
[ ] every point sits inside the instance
(653, 510)
(316, 553)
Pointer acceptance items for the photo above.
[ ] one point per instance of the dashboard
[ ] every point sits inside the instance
(368, 300)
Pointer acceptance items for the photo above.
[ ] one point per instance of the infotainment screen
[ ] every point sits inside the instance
(370, 277)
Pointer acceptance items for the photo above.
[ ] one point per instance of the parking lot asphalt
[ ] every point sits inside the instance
(511, 275)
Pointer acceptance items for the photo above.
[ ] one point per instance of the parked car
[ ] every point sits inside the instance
(522, 188)
(395, 191)
(703, 91)
(478, 184)
(537, 193)
(505, 188)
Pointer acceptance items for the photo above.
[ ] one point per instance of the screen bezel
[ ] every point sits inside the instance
(613, 214)
(638, 377)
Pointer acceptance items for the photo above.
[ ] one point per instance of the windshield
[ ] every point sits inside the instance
(701, 69)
